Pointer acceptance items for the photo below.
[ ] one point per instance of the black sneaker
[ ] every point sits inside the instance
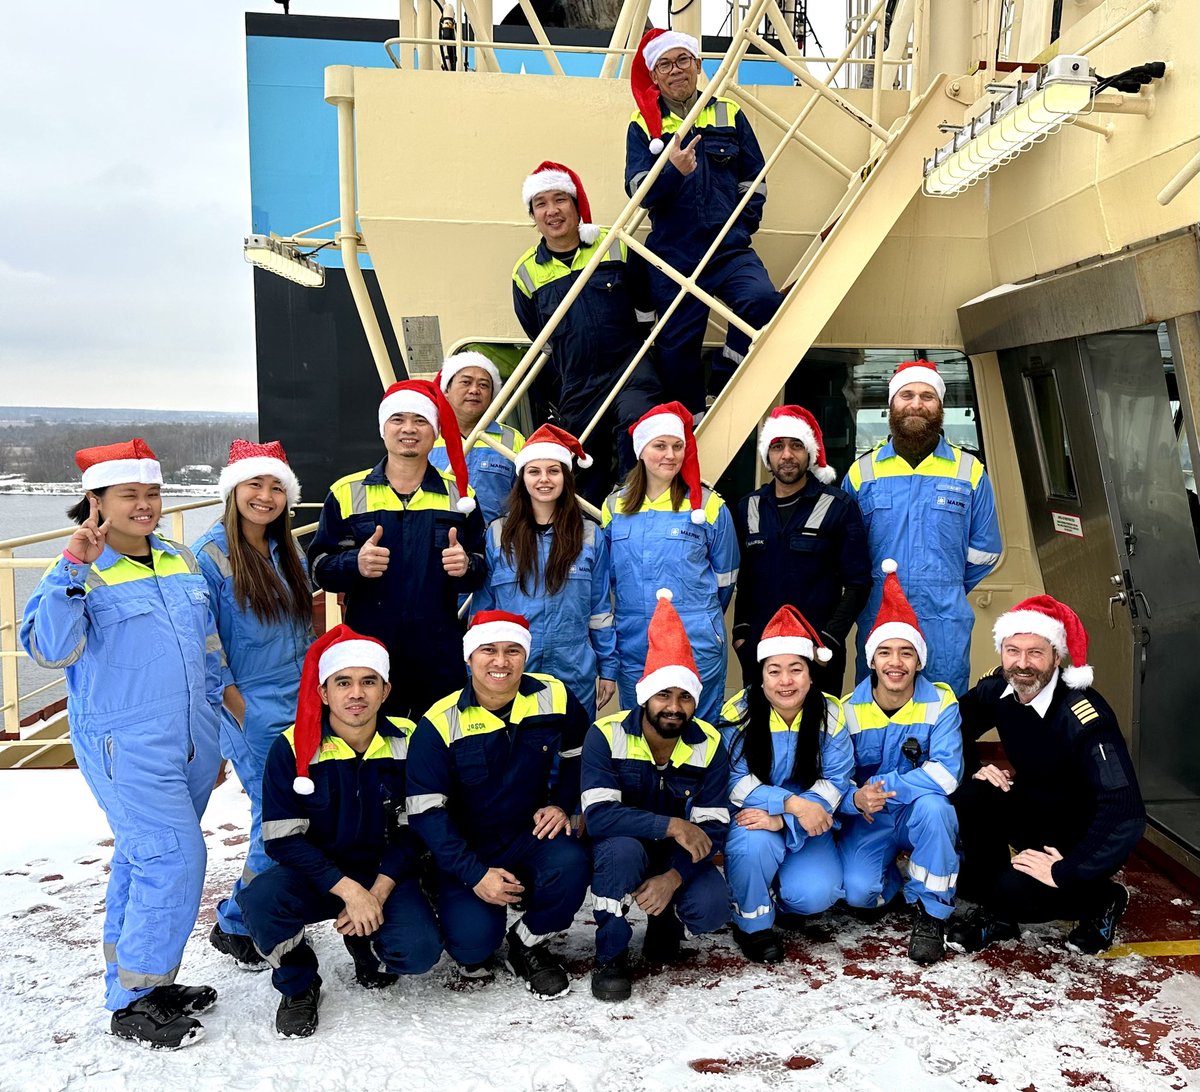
(545, 976)
(977, 930)
(240, 947)
(761, 947)
(296, 1017)
(1095, 934)
(664, 939)
(926, 943)
(610, 981)
(189, 1000)
(154, 1023)
(368, 970)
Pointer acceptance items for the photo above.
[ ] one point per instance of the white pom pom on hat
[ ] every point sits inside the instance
(303, 786)
(656, 146)
(664, 593)
(888, 565)
(466, 505)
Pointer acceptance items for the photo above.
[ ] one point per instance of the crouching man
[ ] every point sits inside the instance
(333, 817)
(656, 804)
(1071, 805)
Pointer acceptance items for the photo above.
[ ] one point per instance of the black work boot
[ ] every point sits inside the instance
(240, 947)
(1096, 933)
(151, 1021)
(977, 930)
(926, 943)
(664, 939)
(761, 947)
(368, 969)
(610, 981)
(545, 976)
(296, 1017)
(188, 1000)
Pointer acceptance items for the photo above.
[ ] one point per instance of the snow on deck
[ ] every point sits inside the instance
(847, 1010)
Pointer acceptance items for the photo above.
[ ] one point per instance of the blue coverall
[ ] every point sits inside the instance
(803, 872)
(686, 212)
(143, 667)
(475, 780)
(938, 521)
(628, 804)
(920, 816)
(491, 474)
(263, 660)
(352, 824)
(573, 635)
(657, 547)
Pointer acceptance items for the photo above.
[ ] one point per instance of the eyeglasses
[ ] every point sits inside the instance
(682, 63)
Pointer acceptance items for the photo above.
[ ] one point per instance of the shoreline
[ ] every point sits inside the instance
(73, 489)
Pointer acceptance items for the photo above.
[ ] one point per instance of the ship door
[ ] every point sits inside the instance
(1098, 424)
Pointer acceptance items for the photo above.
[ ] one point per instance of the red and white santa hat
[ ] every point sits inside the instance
(673, 419)
(653, 45)
(549, 176)
(1059, 624)
(796, 423)
(916, 371)
(789, 633)
(669, 659)
(552, 442)
(426, 398)
(489, 626)
(452, 365)
(334, 651)
(250, 460)
(896, 619)
(128, 463)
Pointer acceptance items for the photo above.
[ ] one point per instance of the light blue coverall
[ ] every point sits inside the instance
(263, 660)
(491, 474)
(657, 547)
(143, 669)
(806, 872)
(920, 816)
(573, 635)
(938, 521)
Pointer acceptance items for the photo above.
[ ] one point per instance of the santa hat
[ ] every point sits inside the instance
(452, 365)
(426, 398)
(796, 423)
(336, 650)
(119, 464)
(653, 45)
(789, 632)
(1059, 624)
(896, 619)
(916, 371)
(549, 177)
(489, 626)
(249, 460)
(673, 419)
(669, 660)
(552, 442)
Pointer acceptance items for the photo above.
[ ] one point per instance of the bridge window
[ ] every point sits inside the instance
(1054, 448)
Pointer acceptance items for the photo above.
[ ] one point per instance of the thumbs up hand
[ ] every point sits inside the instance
(454, 557)
(373, 558)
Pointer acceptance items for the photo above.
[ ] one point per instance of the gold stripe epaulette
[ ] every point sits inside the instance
(1084, 711)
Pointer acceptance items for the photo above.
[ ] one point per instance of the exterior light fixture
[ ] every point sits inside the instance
(1029, 112)
(278, 257)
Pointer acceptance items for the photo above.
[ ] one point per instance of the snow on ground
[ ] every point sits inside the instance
(847, 1011)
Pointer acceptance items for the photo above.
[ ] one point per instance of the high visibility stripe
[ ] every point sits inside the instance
(398, 746)
(1154, 948)
(527, 937)
(981, 557)
(946, 781)
(612, 906)
(721, 113)
(752, 514)
(827, 791)
(760, 188)
(212, 642)
(282, 948)
(508, 436)
(866, 467)
(358, 497)
(283, 828)
(637, 180)
(66, 661)
(598, 796)
(619, 742)
(601, 621)
(218, 557)
(742, 788)
(931, 882)
(140, 980)
(966, 466)
(614, 250)
(247, 874)
(709, 815)
(750, 915)
(418, 805)
(110, 952)
(590, 531)
(726, 580)
(574, 752)
(817, 515)
(526, 279)
(851, 716)
(644, 316)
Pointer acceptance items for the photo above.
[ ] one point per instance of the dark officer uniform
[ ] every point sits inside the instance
(811, 553)
(413, 607)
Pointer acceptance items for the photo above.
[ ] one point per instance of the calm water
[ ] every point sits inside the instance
(27, 514)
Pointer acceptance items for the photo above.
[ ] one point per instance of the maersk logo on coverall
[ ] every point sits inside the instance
(954, 502)
(686, 532)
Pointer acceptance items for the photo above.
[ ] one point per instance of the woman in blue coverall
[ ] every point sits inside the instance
(549, 563)
(263, 607)
(790, 761)
(666, 530)
(126, 614)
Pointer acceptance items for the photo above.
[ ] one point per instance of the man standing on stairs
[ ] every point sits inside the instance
(704, 179)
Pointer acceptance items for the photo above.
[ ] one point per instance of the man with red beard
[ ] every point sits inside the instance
(929, 505)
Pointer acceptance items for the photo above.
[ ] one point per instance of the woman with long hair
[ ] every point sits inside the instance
(126, 614)
(667, 530)
(790, 763)
(549, 562)
(263, 607)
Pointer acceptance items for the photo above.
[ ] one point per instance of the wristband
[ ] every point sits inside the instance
(68, 556)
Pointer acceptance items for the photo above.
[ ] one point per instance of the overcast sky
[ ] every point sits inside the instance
(124, 184)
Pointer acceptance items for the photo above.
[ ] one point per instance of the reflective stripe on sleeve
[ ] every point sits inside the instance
(932, 883)
(981, 557)
(709, 815)
(742, 788)
(827, 791)
(726, 580)
(760, 188)
(601, 621)
(283, 828)
(418, 805)
(598, 796)
(946, 781)
(574, 752)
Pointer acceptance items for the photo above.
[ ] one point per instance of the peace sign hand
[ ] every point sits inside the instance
(89, 541)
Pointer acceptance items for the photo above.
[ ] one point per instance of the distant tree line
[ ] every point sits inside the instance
(45, 451)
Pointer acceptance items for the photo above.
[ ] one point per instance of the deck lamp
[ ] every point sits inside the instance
(1029, 112)
(278, 257)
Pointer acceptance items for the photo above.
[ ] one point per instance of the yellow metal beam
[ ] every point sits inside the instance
(1154, 948)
